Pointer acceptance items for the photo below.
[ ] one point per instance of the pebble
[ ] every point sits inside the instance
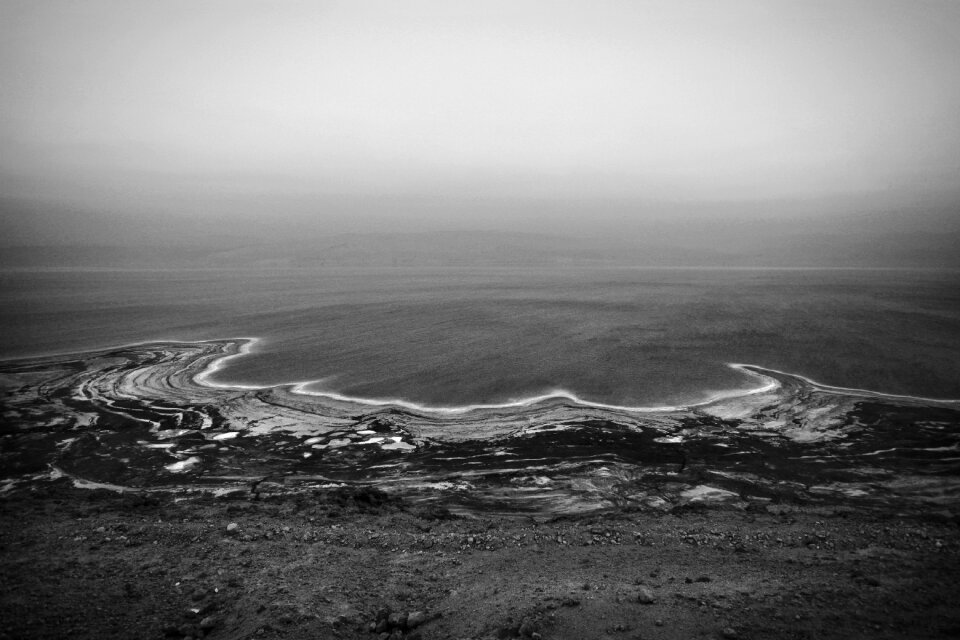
(415, 619)
(397, 620)
(232, 527)
(729, 633)
(208, 623)
(527, 628)
(645, 596)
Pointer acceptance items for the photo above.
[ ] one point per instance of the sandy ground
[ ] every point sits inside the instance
(358, 564)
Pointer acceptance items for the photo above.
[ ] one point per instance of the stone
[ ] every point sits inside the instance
(398, 621)
(645, 596)
(208, 623)
(415, 619)
(729, 633)
(527, 628)
(233, 527)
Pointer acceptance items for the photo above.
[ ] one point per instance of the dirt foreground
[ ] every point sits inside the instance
(356, 563)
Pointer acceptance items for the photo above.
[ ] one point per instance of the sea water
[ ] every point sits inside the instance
(455, 336)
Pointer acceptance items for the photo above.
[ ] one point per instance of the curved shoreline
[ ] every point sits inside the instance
(771, 381)
(301, 388)
(769, 384)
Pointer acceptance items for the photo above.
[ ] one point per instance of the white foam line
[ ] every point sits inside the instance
(847, 390)
(558, 394)
(203, 378)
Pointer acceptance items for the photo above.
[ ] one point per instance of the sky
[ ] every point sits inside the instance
(512, 114)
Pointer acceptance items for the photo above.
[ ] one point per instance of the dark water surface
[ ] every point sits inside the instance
(462, 336)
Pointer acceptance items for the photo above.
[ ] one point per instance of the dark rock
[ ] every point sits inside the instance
(729, 633)
(208, 623)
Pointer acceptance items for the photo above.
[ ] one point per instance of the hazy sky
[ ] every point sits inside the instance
(400, 106)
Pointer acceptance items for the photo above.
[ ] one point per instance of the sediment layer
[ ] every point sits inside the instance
(149, 417)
